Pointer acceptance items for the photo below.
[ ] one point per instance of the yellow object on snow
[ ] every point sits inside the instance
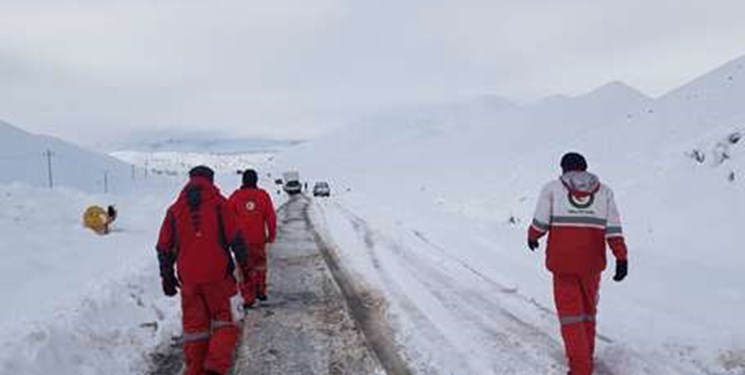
(97, 219)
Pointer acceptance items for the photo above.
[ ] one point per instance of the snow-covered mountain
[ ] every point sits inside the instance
(466, 179)
(23, 158)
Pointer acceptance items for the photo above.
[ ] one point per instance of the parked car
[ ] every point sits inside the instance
(321, 189)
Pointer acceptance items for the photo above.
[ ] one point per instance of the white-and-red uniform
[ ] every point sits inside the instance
(580, 216)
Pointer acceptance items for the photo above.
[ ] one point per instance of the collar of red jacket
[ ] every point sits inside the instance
(206, 186)
(580, 183)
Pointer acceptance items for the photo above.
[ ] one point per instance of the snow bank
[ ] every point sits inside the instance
(75, 302)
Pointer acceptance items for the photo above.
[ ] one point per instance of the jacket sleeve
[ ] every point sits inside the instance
(614, 231)
(230, 227)
(271, 219)
(542, 217)
(167, 243)
(234, 236)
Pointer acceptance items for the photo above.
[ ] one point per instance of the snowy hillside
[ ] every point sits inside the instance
(455, 189)
(23, 159)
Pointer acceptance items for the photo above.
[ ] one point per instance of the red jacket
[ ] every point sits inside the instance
(196, 233)
(580, 215)
(254, 215)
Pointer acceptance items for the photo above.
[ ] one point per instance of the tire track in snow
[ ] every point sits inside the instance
(307, 326)
(430, 273)
(601, 368)
(425, 326)
(500, 287)
(367, 308)
(475, 312)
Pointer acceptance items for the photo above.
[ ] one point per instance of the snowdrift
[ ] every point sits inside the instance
(75, 302)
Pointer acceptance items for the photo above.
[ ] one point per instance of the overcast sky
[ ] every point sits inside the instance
(88, 70)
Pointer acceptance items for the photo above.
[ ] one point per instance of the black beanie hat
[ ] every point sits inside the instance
(250, 178)
(573, 161)
(202, 171)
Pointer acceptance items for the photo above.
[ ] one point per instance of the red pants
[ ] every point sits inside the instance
(258, 266)
(254, 284)
(576, 298)
(210, 335)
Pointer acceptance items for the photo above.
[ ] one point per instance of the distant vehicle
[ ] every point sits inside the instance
(321, 189)
(290, 176)
(292, 183)
(293, 187)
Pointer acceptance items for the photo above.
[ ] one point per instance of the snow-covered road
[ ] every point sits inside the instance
(451, 318)
(438, 315)
(305, 327)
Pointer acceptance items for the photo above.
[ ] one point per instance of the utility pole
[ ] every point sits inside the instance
(106, 182)
(134, 172)
(48, 154)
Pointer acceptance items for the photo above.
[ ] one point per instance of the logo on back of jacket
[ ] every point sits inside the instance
(250, 206)
(581, 204)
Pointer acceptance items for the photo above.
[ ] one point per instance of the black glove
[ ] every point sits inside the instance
(532, 244)
(622, 269)
(166, 261)
(170, 283)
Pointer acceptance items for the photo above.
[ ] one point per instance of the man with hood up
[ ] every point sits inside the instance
(257, 224)
(580, 215)
(195, 238)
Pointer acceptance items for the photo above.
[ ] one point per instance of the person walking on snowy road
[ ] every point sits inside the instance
(195, 239)
(581, 216)
(257, 224)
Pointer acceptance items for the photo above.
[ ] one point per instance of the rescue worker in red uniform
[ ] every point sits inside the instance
(257, 224)
(581, 216)
(194, 255)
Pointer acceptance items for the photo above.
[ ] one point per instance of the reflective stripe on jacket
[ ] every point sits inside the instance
(579, 220)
